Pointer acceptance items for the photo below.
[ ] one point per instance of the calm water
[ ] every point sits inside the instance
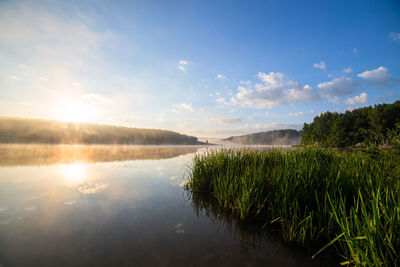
(118, 206)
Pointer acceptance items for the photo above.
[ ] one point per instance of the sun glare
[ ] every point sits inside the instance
(74, 174)
(74, 112)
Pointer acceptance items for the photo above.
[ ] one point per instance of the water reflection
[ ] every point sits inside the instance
(254, 235)
(119, 213)
(73, 173)
(250, 235)
(31, 155)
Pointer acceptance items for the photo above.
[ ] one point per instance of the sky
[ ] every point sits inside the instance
(203, 68)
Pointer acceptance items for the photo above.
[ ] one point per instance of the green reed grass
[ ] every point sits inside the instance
(348, 200)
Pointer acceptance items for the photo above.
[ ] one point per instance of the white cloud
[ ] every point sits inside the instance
(338, 87)
(321, 65)
(361, 99)
(245, 82)
(221, 100)
(305, 94)
(182, 107)
(355, 51)
(224, 102)
(181, 65)
(221, 77)
(376, 74)
(379, 77)
(395, 36)
(348, 70)
(234, 101)
(276, 89)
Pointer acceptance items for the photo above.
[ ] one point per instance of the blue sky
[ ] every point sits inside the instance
(205, 68)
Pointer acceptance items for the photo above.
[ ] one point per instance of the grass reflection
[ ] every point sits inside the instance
(254, 234)
(250, 234)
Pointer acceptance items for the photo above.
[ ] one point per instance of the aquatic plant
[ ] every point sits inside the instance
(347, 200)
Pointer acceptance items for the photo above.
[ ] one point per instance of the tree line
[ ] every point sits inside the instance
(18, 130)
(363, 125)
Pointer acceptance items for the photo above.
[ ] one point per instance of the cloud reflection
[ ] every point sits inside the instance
(179, 229)
(92, 188)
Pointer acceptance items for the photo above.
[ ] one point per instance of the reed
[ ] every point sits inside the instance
(347, 200)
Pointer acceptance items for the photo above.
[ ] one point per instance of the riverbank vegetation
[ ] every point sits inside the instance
(349, 201)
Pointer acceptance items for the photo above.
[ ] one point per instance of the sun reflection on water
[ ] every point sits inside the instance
(74, 174)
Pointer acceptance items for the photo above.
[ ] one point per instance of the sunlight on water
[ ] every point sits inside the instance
(118, 203)
(73, 174)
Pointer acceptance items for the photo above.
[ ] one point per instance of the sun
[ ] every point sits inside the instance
(74, 111)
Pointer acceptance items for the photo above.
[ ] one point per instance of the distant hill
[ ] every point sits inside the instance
(18, 130)
(276, 137)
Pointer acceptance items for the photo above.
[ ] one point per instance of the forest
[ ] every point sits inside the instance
(18, 130)
(368, 125)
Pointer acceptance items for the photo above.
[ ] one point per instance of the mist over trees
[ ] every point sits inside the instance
(276, 137)
(18, 130)
(363, 125)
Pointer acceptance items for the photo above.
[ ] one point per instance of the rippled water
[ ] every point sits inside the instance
(118, 206)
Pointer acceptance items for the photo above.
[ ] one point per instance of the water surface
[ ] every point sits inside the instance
(118, 206)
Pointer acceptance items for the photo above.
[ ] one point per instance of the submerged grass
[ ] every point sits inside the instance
(348, 200)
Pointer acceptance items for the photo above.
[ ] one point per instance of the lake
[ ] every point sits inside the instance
(63, 205)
